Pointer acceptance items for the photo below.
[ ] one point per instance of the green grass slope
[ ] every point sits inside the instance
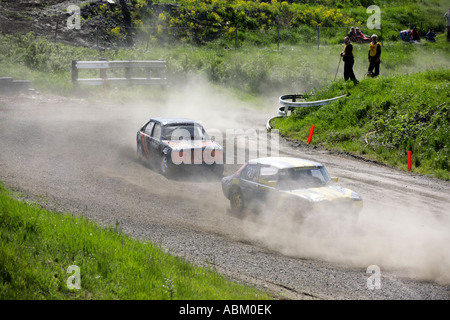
(37, 247)
(382, 119)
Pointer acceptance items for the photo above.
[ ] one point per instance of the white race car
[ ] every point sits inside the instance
(279, 183)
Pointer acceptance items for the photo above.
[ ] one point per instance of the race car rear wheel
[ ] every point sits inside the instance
(237, 201)
(165, 165)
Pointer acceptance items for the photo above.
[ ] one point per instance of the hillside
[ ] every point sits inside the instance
(123, 22)
(382, 125)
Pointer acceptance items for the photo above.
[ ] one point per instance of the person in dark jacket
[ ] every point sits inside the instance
(349, 60)
(430, 36)
(415, 34)
(374, 57)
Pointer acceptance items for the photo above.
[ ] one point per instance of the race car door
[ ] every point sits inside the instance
(145, 138)
(267, 182)
(155, 142)
(249, 182)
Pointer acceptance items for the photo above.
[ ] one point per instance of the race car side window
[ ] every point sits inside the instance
(316, 173)
(157, 131)
(238, 173)
(149, 127)
(250, 172)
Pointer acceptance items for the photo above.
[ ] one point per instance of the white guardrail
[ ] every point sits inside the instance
(289, 102)
(154, 72)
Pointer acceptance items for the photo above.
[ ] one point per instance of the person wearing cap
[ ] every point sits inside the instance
(374, 57)
(352, 33)
(349, 60)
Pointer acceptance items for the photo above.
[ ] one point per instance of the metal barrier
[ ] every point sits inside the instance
(150, 67)
(287, 105)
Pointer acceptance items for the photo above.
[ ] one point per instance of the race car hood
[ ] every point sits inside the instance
(193, 144)
(326, 193)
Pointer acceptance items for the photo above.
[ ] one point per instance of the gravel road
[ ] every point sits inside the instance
(78, 155)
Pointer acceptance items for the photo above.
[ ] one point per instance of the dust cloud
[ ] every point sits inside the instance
(402, 238)
(410, 242)
(218, 110)
(198, 99)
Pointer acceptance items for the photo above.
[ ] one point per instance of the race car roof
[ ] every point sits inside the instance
(165, 121)
(285, 162)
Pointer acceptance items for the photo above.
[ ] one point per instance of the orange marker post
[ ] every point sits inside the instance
(409, 160)
(311, 131)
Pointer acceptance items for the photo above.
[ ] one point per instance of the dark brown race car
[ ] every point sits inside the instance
(170, 144)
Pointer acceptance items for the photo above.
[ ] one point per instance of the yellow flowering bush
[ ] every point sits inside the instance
(212, 18)
(103, 8)
(248, 14)
(114, 32)
(162, 17)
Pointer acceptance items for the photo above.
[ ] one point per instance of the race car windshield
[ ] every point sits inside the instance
(185, 132)
(300, 178)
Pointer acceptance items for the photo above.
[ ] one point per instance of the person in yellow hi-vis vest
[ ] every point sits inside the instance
(349, 60)
(374, 57)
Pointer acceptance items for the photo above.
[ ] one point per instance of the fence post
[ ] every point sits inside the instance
(318, 38)
(127, 73)
(278, 38)
(381, 33)
(74, 73)
(103, 71)
(56, 30)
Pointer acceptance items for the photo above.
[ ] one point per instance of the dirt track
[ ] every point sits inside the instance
(79, 156)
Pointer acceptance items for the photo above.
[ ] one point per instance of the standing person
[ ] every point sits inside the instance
(447, 16)
(374, 57)
(349, 60)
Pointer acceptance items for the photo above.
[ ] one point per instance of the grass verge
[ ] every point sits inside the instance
(37, 248)
(254, 70)
(411, 114)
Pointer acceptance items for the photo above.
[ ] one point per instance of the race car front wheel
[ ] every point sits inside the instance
(237, 201)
